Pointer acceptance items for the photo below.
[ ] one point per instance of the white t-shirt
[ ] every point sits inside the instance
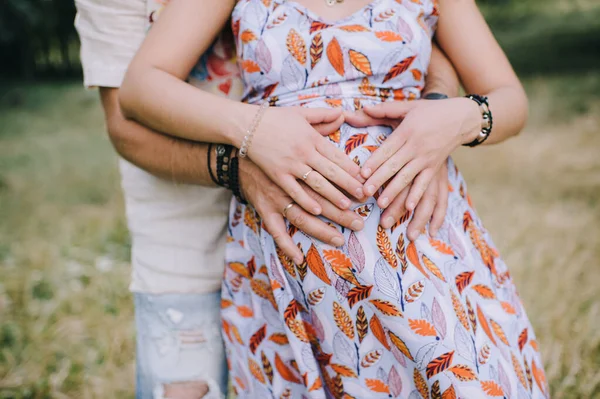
(177, 230)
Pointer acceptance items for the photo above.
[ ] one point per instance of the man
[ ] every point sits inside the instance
(177, 218)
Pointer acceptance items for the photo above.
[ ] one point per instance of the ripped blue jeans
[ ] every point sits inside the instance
(179, 340)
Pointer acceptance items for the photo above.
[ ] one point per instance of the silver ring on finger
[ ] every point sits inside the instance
(305, 176)
(287, 208)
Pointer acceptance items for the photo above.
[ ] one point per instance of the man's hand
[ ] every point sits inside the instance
(270, 200)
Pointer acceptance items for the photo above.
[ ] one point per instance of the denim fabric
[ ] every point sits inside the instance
(179, 340)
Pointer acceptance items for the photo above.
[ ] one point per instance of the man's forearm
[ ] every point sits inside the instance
(441, 76)
(163, 156)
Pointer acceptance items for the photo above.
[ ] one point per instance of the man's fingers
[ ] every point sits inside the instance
(423, 213)
(395, 211)
(362, 119)
(299, 195)
(392, 110)
(316, 116)
(314, 227)
(277, 228)
(441, 207)
(327, 128)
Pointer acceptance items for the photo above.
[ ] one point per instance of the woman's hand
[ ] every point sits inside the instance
(287, 148)
(430, 131)
(269, 201)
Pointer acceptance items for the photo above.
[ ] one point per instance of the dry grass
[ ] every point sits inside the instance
(65, 313)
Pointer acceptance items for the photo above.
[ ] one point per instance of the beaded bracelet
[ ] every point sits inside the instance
(247, 142)
(235, 181)
(223, 164)
(487, 122)
(209, 164)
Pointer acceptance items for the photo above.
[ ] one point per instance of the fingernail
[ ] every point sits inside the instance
(298, 260)
(388, 222)
(385, 201)
(366, 172)
(371, 190)
(410, 206)
(337, 241)
(359, 193)
(357, 225)
(345, 203)
(317, 210)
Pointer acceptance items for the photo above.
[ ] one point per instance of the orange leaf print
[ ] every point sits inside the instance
(263, 290)
(341, 265)
(353, 28)
(316, 385)
(491, 388)
(523, 339)
(460, 311)
(335, 136)
(518, 370)
(344, 371)
(417, 74)
(388, 36)
(296, 46)
(342, 320)
(267, 368)
(399, 343)
(257, 338)
(385, 247)
(508, 308)
(441, 247)
(292, 310)
(538, 376)
(471, 314)
(316, 50)
(378, 332)
(355, 141)
(413, 257)
(371, 358)
(386, 307)
(463, 280)
(484, 324)
(534, 345)
(316, 26)
(433, 268)
(360, 62)
(236, 334)
(399, 68)
(485, 291)
(335, 56)
(362, 324)
(376, 385)
(250, 66)
(256, 371)
(422, 327)
(499, 332)
(286, 373)
(297, 327)
(358, 294)
(240, 269)
(225, 303)
(245, 311)
(439, 364)
(420, 384)
(449, 393)
(247, 36)
(366, 88)
(463, 372)
(316, 296)
(279, 338)
(315, 264)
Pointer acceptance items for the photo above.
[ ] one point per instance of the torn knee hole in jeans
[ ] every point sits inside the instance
(197, 389)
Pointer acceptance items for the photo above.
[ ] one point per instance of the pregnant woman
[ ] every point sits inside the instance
(382, 315)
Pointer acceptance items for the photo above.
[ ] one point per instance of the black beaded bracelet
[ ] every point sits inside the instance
(223, 163)
(235, 180)
(209, 164)
(487, 121)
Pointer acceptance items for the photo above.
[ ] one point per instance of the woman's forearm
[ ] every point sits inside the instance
(167, 104)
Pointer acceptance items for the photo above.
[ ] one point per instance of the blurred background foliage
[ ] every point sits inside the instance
(66, 318)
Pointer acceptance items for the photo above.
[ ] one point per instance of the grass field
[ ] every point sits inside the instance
(65, 312)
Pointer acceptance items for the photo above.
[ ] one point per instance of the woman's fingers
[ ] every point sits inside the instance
(339, 158)
(392, 110)
(322, 186)
(423, 212)
(362, 119)
(346, 218)
(395, 211)
(400, 169)
(421, 184)
(275, 225)
(327, 128)
(300, 196)
(314, 227)
(439, 213)
(390, 147)
(316, 116)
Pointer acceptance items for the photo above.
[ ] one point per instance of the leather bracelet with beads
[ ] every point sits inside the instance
(234, 178)
(209, 164)
(487, 121)
(223, 165)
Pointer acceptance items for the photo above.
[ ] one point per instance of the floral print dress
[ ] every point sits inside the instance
(381, 316)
